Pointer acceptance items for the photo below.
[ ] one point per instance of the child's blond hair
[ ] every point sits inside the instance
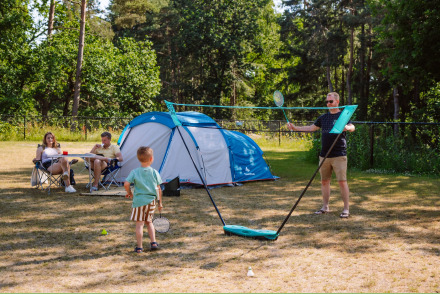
(144, 153)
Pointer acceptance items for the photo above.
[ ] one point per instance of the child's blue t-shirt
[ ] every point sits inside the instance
(145, 180)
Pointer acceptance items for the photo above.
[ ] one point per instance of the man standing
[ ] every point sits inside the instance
(337, 159)
(107, 152)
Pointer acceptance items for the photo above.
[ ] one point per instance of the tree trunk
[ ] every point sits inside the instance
(367, 78)
(47, 93)
(363, 101)
(80, 59)
(51, 17)
(306, 4)
(329, 80)
(350, 68)
(342, 94)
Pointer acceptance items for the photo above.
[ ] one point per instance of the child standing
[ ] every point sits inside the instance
(146, 182)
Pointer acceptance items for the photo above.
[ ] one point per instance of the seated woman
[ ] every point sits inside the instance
(56, 166)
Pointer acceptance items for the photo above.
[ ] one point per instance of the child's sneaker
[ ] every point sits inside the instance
(70, 189)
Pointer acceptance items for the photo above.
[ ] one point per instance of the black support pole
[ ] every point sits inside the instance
(201, 178)
(308, 184)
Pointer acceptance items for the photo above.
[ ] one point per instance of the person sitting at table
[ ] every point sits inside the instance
(107, 152)
(50, 147)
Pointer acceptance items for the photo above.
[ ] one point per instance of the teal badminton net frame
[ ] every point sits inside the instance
(242, 231)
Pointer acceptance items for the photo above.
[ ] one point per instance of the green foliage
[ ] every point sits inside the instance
(313, 39)
(36, 133)
(313, 152)
(138, 82)
(415, 150)
(16, 128)
(15, 36)
(120, 79)
(211, 52)
(224, 53)
(7, 131)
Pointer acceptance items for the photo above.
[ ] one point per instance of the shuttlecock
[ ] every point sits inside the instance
(104, 232)
(250, 272)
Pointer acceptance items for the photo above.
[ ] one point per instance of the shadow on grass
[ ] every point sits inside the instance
(65, 228)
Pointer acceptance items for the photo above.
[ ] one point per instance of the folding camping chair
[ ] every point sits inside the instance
(109, 175)
(43, 179)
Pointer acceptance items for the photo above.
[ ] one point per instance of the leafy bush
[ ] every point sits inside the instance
(7, 131)
(412, 149)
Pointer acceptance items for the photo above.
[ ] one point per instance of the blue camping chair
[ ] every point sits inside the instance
(109, 175)
(42, 179)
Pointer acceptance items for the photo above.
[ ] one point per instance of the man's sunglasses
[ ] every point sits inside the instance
(329, 101)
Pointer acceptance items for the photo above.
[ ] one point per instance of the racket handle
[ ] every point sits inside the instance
(285, 116)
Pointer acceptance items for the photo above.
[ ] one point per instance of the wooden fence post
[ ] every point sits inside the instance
(86, 127)
(371, 145)
(24, 127)
(279, 133)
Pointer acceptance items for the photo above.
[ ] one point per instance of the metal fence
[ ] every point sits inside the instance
(389, 145)
(30, 127)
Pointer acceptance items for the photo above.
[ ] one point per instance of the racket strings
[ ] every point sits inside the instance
(278, 98)
(161, 224)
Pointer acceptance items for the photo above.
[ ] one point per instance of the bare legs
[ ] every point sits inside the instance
(61, 167)
(98, 166)
(140, 232)
(345, 192)
(325, 190)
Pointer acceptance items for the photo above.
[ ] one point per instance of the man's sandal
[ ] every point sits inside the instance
(138, 249)
(154, 246)
(321, 211)
(344, 215)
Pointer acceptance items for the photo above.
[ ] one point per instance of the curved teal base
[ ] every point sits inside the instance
(250, 233)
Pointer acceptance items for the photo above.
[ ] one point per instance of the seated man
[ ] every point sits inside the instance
(107, 152)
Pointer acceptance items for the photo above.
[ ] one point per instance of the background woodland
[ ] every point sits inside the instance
(380, 54)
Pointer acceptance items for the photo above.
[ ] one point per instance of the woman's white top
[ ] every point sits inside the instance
(48, 152)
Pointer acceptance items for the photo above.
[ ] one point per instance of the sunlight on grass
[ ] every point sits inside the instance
(52, 242)
(286, 143)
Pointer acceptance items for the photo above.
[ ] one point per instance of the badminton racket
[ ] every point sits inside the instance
(161, 224)
(278, 98)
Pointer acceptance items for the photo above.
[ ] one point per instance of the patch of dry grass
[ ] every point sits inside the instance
(52, 243)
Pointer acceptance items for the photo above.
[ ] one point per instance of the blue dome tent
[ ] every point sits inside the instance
(222, 156)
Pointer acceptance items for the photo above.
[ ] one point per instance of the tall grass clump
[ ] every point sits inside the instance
(34, 132)
(8, 132)
(65, 128)
(293, 142)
